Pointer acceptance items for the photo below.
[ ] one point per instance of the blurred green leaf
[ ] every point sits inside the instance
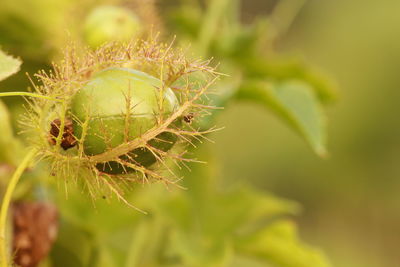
(5, 125)
(248, 52)
(246, 209)
(137, 249)
(225, 93)
(202, 233)
(215, 11)
(198, 250)
(74, 246)
(37, 29)
(8, 65)
(288, 69)
(10, 149)
(241, 261)
(295, 102)
(187, 20)
(279, 245)
(120, 236)
(237, 42)
(200, 226)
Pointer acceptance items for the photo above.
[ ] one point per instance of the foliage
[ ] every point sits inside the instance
(8, 65)
(118, 132)
(202, 225)
(8, 143)
(255, 69)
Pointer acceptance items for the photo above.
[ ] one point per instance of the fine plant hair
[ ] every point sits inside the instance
(189, 79)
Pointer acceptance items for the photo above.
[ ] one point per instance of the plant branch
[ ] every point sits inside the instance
(28, 94)
(284, 14)
(215, 11)
(6, 204)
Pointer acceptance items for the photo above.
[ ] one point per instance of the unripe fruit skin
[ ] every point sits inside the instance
(110, 23)
(104, 100)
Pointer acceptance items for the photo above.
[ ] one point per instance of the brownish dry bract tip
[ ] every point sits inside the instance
(68, 140)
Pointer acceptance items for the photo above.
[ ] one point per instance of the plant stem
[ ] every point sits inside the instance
(284, 14)
(216, 10)
(6, 204)
(28, 94)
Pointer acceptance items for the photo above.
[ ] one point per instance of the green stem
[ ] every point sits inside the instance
(284, 14)
(28, 94)
(215, 12)
(6, 204)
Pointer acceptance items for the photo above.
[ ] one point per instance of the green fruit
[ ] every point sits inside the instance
(104, 100)
(110, 23)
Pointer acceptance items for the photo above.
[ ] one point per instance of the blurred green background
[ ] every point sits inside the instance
(351, 208)
(351, 199)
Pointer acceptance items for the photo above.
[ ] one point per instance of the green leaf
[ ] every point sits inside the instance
(5, 124)
(10, 148)
(186, 20)
(240, 261)
(8, 65)
(279, 245)
(295, 102)
(198, 250)
(199, 240)
(243, 210)
(279, 69)
(74, 246)
(127, 238)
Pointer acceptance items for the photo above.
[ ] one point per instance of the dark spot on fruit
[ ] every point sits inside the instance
(68, 140)
(188, 118)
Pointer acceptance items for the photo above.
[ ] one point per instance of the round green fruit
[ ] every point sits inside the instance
(106, 98)
(110, 23)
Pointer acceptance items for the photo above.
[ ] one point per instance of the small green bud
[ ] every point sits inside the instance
(110, 23)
